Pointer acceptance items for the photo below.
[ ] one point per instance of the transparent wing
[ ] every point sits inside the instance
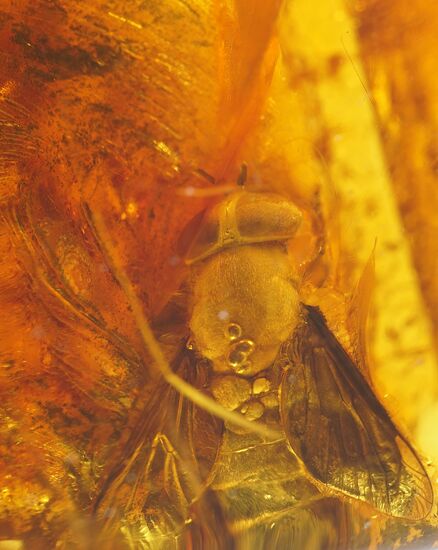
(341, 432)
(165, 463)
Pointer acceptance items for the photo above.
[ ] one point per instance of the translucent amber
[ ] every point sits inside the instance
(141, 114)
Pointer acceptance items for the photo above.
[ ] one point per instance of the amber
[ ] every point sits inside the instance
(143, 113)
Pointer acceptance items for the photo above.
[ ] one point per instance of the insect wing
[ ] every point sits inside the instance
(166, 462)
(340, 431)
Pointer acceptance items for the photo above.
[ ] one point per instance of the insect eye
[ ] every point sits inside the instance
(234, 331)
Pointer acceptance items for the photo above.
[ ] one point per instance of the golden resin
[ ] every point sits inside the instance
(155, 352)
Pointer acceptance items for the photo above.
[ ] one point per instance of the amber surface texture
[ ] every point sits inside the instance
(218, 274)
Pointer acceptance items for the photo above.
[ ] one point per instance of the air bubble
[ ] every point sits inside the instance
(236, 358)
(234, 331)
(245, 346)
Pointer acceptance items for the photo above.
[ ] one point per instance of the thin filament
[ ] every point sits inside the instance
(149, 340)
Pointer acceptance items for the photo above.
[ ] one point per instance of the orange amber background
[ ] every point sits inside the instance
(114, 107)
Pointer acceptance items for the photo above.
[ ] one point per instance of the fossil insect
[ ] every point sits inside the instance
(256, 349)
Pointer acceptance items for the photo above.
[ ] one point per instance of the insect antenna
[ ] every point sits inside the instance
(149, 340)
(206, 175)
(218, 188)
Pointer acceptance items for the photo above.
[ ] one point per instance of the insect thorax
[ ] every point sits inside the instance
(244, 306)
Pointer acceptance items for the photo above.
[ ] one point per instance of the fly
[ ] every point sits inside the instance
(256, 350)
